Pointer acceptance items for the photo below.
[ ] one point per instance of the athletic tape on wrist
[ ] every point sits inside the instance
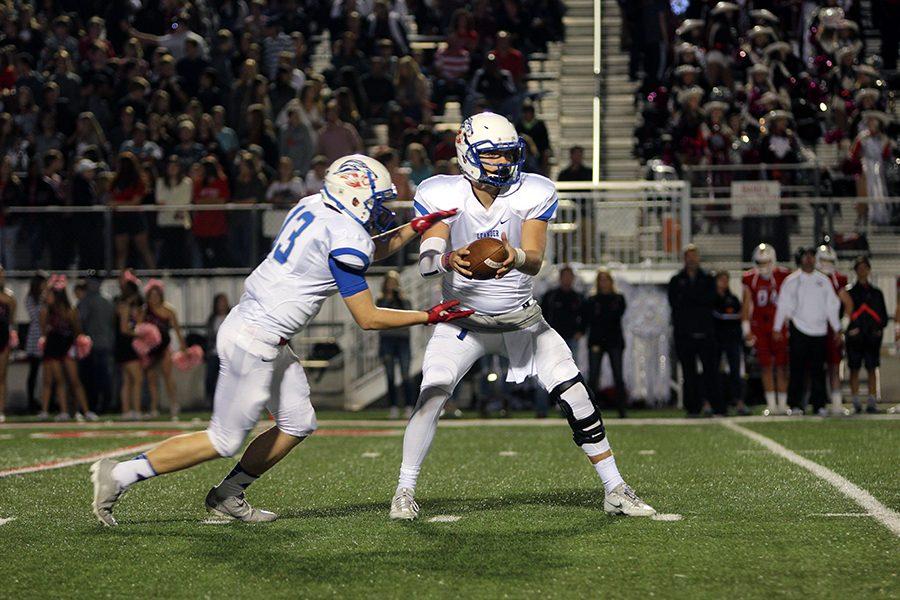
(520, 258)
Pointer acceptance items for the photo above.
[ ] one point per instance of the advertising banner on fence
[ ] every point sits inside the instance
(754, 198)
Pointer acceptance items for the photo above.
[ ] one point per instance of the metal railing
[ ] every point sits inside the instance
(798, 179)
(77, 239)
(621, 222)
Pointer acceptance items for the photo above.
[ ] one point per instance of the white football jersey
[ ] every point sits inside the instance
(319, 251)
(533, 197)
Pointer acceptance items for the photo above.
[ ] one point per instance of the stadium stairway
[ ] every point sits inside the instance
(577, 79)
(617, 110)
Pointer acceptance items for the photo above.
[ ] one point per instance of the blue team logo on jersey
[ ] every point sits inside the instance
(493, 233)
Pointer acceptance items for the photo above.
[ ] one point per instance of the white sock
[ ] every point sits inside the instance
(782, 401)
(131, 471)
(606, 468)
(235, 482)
(836, 399)
(408, 476)
(609, 473)
(770, 402)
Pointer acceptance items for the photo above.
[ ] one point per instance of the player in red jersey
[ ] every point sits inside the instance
(761, 286)
(826, 258)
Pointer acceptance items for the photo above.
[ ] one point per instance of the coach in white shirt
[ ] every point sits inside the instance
(807, 300)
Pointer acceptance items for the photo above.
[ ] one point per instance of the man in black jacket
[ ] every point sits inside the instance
(865, 333)
(692, 295)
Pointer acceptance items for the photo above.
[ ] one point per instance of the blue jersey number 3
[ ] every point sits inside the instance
(282, 252)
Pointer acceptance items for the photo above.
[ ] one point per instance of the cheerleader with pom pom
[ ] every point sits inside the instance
(129, 314)
(9, 339)
(62, 341)
(161, 314)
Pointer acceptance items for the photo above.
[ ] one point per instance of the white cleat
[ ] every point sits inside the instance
(236, 508)
(623, 501)
(403, 506)
(106, 491)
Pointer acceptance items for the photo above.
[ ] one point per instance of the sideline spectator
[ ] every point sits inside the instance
(576, 169)
(7, 326)
(59, 328)
(36, 286)
(173, 188)
(249, 187)
(129, 188)
(692, 294)
(10, 195)
(535, 128)
(729, 337)
(315, 178)
(808, 301)
(418, 164)
(865, 333)
(220, 310)
(210, 226)
(98, 318)
(159, 361)
(393, 346)
(562, 309)
(337, 138)
(602, 319)
(495, 88)
(296, 141)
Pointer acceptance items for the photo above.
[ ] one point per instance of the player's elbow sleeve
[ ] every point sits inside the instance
(431, 253)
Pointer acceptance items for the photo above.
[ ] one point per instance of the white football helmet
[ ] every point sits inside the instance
(826, 259)
(489, 132)
(764, 256)
(358, 186)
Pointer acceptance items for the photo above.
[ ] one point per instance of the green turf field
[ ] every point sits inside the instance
(530, 519)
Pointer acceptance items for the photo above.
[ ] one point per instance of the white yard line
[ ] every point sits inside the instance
(71, 462)
(7, 520)
(889, 518)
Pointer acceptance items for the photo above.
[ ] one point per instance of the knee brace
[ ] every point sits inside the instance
(577, 403)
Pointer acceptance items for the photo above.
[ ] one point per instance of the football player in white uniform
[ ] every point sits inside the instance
(495, 199)
(323, 248)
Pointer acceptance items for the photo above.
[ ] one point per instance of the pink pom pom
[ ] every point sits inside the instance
(147, 337)
(188, 359)
(83, 345)
(140, 347)
(13, 339)
(149, 333)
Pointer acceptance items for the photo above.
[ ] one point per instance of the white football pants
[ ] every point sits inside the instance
(449, 356)
(256, 372)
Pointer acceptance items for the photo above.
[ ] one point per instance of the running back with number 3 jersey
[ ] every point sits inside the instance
(288, 288)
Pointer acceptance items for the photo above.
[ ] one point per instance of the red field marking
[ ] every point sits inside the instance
(71, 462)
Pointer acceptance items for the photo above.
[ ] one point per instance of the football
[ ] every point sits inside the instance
(486, 256)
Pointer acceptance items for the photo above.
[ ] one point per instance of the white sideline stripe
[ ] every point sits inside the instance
(646, 452)
(7, 520)
(841, 515)
(888, 517)
(371, 454)
(71, 462)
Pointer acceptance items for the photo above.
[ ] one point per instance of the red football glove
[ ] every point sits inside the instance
(424, 223)
(445, 312)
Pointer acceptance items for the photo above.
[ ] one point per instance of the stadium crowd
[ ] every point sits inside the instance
(179, 102)
(767, 82)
